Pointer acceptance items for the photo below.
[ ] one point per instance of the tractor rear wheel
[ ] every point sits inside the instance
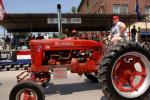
(27, 90)
(124, 73)
(91, 76)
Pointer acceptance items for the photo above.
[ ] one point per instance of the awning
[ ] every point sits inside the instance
(145, 33)
(39, 22)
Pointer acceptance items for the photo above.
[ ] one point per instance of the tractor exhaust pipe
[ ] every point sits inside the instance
(59, 19)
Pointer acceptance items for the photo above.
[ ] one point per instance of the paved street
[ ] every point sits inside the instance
(72, 88)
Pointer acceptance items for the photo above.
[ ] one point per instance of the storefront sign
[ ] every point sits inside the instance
(7, 56)
(64, 20)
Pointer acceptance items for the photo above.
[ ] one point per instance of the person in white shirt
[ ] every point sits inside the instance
(138, 35)
(117, 34)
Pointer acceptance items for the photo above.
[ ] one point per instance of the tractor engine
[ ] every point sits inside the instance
(78, 61)
(62, 57)
(78, 56)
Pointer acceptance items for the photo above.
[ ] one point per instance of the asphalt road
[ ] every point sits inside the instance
(72, 88)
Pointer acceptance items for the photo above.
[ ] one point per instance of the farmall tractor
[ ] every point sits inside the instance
(123, 70)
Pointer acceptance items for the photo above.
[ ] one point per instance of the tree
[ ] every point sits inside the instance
(55, 35)
(74, 10)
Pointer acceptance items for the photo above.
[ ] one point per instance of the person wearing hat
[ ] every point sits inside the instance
(75, 34)
(117, 34)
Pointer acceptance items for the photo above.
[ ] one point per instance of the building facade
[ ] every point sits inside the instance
(123, 7)
(113, 6)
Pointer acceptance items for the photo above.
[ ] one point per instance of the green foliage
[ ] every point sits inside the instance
(55, 36)
(74, 10)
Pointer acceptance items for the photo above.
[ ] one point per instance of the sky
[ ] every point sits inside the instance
(38, 6)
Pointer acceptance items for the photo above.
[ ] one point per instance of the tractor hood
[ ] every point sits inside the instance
(64, 44)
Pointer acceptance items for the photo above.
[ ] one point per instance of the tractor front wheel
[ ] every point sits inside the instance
(124, 73)
(27, 90)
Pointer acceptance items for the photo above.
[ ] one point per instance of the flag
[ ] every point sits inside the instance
(87, 6)
(2, 11)
(137, 10)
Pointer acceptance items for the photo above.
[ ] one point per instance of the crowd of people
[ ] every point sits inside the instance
(15, 42)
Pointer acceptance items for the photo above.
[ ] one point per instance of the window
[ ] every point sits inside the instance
(116, 9)
(120, 9)
(124, 9)
(147, 10)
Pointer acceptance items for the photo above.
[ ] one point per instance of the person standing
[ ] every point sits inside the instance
(74, 34)
(1, 43)
(40, 36)
(95, 37)
(133, 33)
(7, 43)
(13, 43)
(138, 35)
(30, 37)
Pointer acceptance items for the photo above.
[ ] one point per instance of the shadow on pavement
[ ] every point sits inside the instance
(64, 89)
(147, 97)
(0, 84)
(103, 98)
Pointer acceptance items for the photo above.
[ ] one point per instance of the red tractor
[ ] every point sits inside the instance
(123, 71)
